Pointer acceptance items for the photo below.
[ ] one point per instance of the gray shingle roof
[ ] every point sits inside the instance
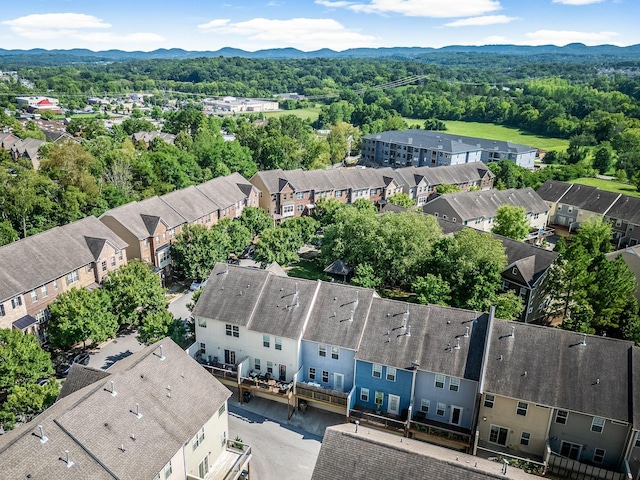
(190, 203)
(549, 366)
(92, 424)
(450, 174)
(553, 190)
(485, 203)
(435, 332)
(39, 259)
(532, 261)
(225, 191)
(371, 454)
(79, 377)
(627, 209)
(584, 197)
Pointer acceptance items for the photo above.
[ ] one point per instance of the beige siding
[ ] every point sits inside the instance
(216, 431)
(136, 247)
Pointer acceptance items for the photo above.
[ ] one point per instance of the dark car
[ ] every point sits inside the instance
(82, 359)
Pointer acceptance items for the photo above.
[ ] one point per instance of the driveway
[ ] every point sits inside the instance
(109, 353)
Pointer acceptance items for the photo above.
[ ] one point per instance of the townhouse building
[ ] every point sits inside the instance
(292, 193)
(36, 269)
(433, 149)
(560, 398)
(151, 225)
(148, 137)
(478, 209)
(624, 217)
(135, 420)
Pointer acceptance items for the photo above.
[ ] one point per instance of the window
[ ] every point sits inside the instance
(197, 440)
(72, 277)
(424, 405)
(232, 330)
(44, 292)
(439, 381)
(335, 353)
(391, 374)
(34, 296)
(364, 394)
(104, 265)
(300, 208)
(287, 209)
(203, 347)
(223, 438)
(120, 256)
(16, 301)
(376, 371)
(598, 455)
(256, 364)
(561, 417)
(322, 350)
(168, 470)
(266, 341)
(441, 408)
(312, 373)
(597, 425)
(113, 261)
(325, 376)
(454, 384)
(338, 193)
(525, 437)
(278, 343)
(42, 316)
(221, 410)
(521, 409)
(2, 312)
(172, 233)
(55, 284)
(269, 367)
(300, 195)
(202, 323)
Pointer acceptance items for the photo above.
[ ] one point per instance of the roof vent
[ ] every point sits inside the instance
(466, 333)
(408, 334)
(161, 356)
(66, 459)
(122, 449)
(113, 389)
(583, 343)
(137, 412)
(43, 437)
(457, 347)
(513, 332)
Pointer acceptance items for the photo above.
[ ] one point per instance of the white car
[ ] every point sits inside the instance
(197, 285)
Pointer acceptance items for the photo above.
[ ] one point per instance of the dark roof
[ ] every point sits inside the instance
(627, 209)
(225, 191)
(373, 453)
(532, 261)
(449, 174)
(92, 424)
(553, 190)
(226, 295)
(339, 267)
(550, 366)
(24, 322)
(485, 203)
(630, 256)
(332, 321)
(402, 334)
(79, 377)
(34, 261)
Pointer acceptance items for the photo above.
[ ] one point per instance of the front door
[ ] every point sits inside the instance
(338, 382)
(283, 373)
(394, 405)
(570, 450)
(456, 415)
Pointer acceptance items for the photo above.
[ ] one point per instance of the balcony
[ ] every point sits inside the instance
(387, 421)
(316, 393)
(232, 464)
(439, 433)
(222, 371)
(568, 468)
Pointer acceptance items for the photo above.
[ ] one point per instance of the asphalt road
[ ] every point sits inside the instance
(279, 452)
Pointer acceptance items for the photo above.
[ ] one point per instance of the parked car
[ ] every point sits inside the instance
(82, 359)
(197, 285)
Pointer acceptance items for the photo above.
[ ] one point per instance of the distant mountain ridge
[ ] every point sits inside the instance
(573, 49)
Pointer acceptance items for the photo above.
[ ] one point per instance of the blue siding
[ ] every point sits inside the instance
(401, 387)
(344, 365)
(465, 398)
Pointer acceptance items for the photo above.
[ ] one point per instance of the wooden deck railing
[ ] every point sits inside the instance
(320, 394)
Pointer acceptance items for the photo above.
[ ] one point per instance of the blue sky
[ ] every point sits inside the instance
(313, 24)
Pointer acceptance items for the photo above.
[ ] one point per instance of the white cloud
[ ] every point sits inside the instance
(419, 8)
(76, 27)
(563, 37)
(302, 33)
(577, 2)
(481, 21)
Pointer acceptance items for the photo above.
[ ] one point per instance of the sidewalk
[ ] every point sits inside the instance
(313, 421)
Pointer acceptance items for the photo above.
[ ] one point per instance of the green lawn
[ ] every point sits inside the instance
(308, 269)
(609, 186)
(304, 113)
(499, 132)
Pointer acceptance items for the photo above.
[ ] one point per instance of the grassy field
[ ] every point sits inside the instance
(609, 186)
(309, 269)
(499, 132)
(304, 113)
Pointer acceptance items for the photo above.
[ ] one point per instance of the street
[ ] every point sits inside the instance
(279, 451)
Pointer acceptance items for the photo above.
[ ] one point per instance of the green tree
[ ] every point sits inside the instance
(445, 188)
(7, 233)
(326, 209)
(343, 139)
(135, 292)
(511, 221)
(594, 235)
(25, 402)
(603, 159)
(431, 289)
(237, 236)
(22, 360)
(365, 205)
(159, 325)
(365, 276)
(256, 220)
(195, 252)
(509, 305)
(79, 315)
(303, 229)
(402, 200)
(279, 245)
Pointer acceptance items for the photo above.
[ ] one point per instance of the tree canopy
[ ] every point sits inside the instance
(511, 221)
